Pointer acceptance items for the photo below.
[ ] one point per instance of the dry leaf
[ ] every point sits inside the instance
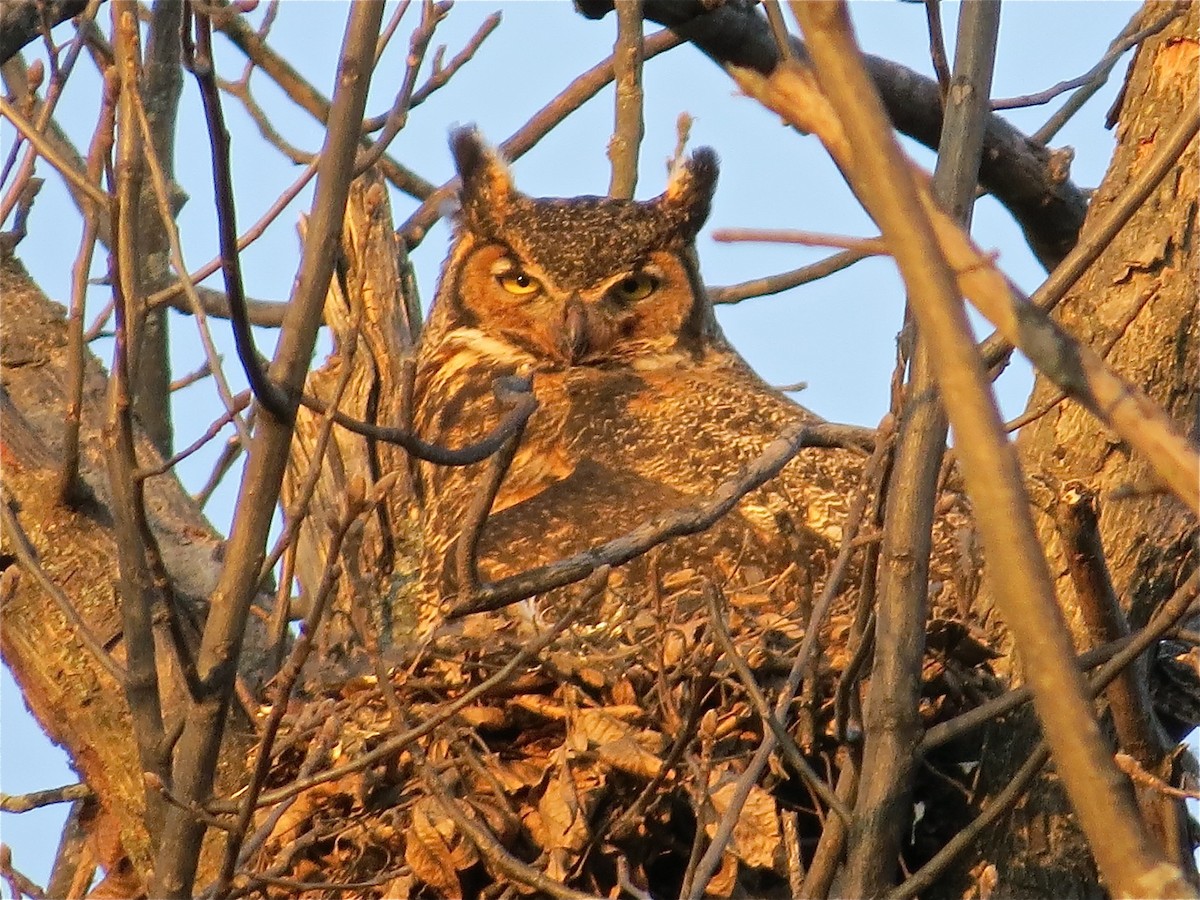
(428, 852)
(756, 836)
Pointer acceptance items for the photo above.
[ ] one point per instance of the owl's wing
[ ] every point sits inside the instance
(693, 427)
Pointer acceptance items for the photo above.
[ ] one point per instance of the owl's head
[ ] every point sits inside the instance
(579, 280)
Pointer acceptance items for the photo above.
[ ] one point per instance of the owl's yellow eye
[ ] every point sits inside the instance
(518, 283)
(633, 287)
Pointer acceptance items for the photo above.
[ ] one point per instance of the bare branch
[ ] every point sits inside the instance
(19, 803)
(175, 866)
(628, 127)
(774, 284)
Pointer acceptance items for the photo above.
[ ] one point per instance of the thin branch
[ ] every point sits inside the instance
(578, 92)
(68, 793)
(628, 127)
(396, 118)
(285, 682)
(170, 229)
(784, 740)
(442, 456)
(138, 591)
(240, 402)
(1097, 77)
(50, 152)
(442, 74)
(703, 867)
(863, 246)
(388, 748)
(58, 81)
(466, 548)
(198, 59)
(937, 47)
(1129, 701)
(99, 151)
(892, 724)
(267, 316)
(1102, 230)
(1170, 613)
(774, 284)
(308, 98)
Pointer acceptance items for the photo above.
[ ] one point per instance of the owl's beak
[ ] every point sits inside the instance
(575, 341)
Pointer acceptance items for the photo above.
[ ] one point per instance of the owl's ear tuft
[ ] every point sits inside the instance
(486, 183)
(689, 194)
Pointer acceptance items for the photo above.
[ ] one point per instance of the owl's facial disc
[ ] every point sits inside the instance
(619, 316)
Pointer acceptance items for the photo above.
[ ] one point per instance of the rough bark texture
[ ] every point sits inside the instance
(373, 334)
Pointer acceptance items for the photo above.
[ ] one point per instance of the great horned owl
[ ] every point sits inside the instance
(643, 405)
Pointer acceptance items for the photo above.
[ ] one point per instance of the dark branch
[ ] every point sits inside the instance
(1019, 172)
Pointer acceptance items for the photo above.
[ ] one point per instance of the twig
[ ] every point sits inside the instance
(202, 371)
(704, 867)
(774, 284)
(485, 842)
(578, 92)
(784, 740)
(395, 120)
(51, 154)
(58, 81)
(240, 402)
(19, 884)
(233, 449)
(442, 456)
(466, 548)
(301, 497)
(1098, 76)
(198, 59)
(170, 229)
(20, 803)
(442, 74)
(937, 47)
(266, 316)
(1128, 696)
(99, 151)
(1138, 775)
(308, 98)
(861, 246)
(1171, 611)
(388, 748)
(628, 128)
(285, 682)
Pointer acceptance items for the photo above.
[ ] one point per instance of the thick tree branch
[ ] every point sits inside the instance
(1020, 173)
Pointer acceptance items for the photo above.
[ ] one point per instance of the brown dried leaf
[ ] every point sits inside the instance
(563, 822)
(428, 852)
(619, 745)
(483, 716)
(540, 706)
(756, 836)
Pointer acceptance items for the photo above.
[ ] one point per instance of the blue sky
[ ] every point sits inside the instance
(837, 335)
